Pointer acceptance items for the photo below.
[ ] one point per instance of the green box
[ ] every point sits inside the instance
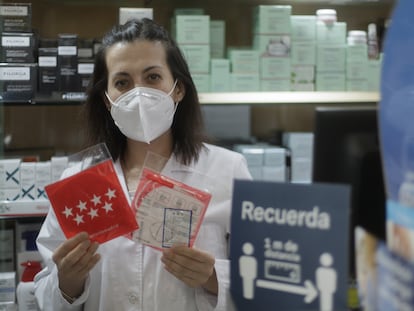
(330, 57)
(302, 87)
(220, 75)
(303, 28)
(303, 53)
(357, 53)
(272, 19)
(357, 70)
(374, 75)
(303, 74)
(202, 82)
(191, 29)
(275, 85)
(197, 56)
(272, 44)
(333, 34)
(357, 85)
(241, 82)
(330, 81)
(244, 60)
(217, 38)
(275, 68)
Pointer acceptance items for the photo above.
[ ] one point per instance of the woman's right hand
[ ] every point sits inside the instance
(74, 259)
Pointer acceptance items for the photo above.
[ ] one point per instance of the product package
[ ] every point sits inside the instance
(93, 199)
(168, 212)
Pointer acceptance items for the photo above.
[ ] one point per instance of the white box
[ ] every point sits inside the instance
(227, 121)
(7, 287)
(9, 194)
(10, 173)
(28, 180)
(300, 144)
(126, 14)
(270, 173)
(43, 178)
(274, 156)
(301, 170)
(58, 164)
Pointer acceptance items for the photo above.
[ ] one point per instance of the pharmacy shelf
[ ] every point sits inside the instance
(289, 98)
(23, 208)
(250, 98)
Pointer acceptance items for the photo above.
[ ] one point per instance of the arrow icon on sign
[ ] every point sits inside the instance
(309, 290)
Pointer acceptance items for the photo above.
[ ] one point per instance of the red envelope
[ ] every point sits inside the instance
(92, 201)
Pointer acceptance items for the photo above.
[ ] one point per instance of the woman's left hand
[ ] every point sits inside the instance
(193, 267)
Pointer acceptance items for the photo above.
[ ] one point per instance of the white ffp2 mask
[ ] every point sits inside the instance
(143, 113)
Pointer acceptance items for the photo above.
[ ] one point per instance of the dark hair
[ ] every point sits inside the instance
(187, 127)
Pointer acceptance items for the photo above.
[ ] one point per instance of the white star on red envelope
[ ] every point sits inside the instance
(91, 210)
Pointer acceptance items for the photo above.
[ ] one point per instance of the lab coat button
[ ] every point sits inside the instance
(133, 298)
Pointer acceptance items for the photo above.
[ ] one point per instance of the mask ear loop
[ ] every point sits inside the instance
(110, 100)
(170, 92)
(173, 88)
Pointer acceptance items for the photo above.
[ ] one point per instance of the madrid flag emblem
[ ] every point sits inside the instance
(92, 201)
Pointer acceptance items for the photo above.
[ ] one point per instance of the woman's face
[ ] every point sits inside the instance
(138, 63)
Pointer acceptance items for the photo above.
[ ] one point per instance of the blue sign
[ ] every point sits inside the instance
(397, 105)
(289, 246)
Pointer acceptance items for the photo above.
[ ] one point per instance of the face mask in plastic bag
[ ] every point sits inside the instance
(92, 200)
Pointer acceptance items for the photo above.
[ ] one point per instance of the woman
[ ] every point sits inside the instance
(142, 99)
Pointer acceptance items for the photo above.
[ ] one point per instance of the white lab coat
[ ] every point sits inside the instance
(130, 276)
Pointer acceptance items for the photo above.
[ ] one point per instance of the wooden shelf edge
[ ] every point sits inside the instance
(288, 97)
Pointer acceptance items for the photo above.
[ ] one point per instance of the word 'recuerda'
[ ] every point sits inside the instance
(313, 219)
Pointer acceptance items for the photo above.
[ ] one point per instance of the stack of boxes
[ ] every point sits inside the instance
(191, 31)
(245, 66)
(357, 61)
(300, 145)
(288, 53)
(272, 39)
(48, 70)
(67, 62)
(265, 162)
(20, 180)
(331, 52)
(303, 55)
(85, 63)
(18, 69)
(219, 65)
